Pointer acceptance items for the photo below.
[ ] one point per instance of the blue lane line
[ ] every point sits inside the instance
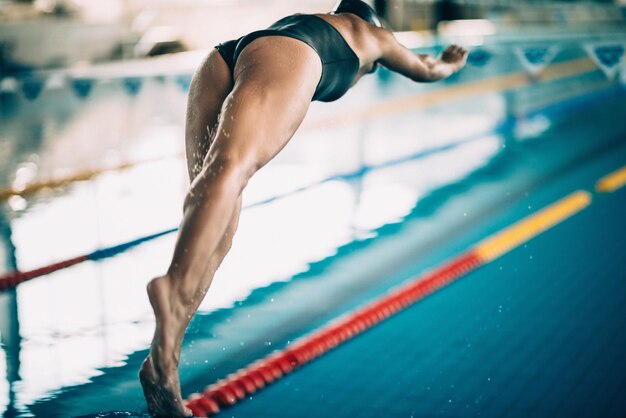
(505, 126)
(120, 248)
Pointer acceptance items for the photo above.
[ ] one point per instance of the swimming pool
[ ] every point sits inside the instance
(390, 181)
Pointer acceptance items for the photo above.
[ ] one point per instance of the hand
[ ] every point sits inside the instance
(454, 54)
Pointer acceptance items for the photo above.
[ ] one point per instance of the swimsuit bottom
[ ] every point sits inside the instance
(339, 62)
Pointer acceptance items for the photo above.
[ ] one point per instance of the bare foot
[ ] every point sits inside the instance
(163, 399)
(159, 372)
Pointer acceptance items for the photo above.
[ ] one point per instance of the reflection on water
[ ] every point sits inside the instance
(75, 322)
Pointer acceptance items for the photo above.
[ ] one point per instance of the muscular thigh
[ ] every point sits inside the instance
(209, 87)
(275, 79)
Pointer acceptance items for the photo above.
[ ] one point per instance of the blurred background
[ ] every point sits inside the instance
(52, 34)
(92, 109)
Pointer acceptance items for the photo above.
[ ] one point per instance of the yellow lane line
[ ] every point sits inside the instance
(531, 226)
(612, 182)
(83, 175)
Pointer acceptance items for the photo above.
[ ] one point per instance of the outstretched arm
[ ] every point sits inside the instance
(420, 67)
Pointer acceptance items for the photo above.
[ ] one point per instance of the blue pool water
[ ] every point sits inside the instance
(535, 333)
(404, 191)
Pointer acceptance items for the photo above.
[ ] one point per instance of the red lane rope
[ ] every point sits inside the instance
(16, 277)
(257, 375)
(265, 371)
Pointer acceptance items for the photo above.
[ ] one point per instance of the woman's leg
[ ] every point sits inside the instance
(275, 79)
(209, 88)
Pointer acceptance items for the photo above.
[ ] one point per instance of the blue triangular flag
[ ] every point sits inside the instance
(32, 87)
(132, 85)
(479, 57)
(535, 59)
(82, 86)
(608, 57)
(183, 81)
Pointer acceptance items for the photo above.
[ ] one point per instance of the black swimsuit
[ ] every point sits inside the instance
(339, 62)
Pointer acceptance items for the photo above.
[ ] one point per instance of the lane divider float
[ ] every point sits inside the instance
(246, 381)
(15, 278)
(442, 96)
(422, 100)
(62, 181)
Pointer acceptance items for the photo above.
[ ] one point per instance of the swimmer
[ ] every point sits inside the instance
(246, 101)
